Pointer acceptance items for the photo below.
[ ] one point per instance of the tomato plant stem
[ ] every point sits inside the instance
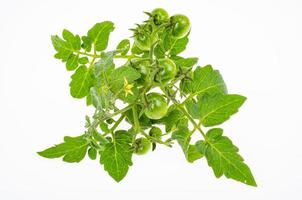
(117, 123)
(155, 139)
(135, 118)
(184, 111)
(117, 112)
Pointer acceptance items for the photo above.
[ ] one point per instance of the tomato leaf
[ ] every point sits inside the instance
(117, 155)
(206, 79)
(99, 34)
(159, 51)
(81, 82)
(103, 67)
(214, 109)
(92, 153)
(179, 46)
(183, 137)
(223, 157)
(96, 98)
(64, 50)
(73, 40)
(100, 138)
(193, 154)
(123, 47)
(72, 62)
(136, 50)
(171, 120)
(66, 47)
(73, 149)
(184, 64)
(119, 75)
(83, 60)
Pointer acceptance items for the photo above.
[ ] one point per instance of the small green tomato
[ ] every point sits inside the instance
(168, 70)
(142, 146)
(159, 16)
(180, 25)
(143, 37)
(157, 106)
(155, 132)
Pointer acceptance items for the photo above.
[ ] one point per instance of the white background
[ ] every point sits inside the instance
(257, 46)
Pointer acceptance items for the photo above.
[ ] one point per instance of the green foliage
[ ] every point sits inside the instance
(117, 155)
(222, 155)
(193, 153)
(99, 35)
(206, 79)
(188, 98)
(184, 64)
(171, 120)
(179, 46)
(123, 47)
(183, 137)
(81, 82)
(118, 76)
(214, 109)
(73, 149)
(92, 153)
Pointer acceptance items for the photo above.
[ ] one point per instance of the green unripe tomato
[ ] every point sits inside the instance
(157, 106)
(143, 67)
(143, 42)
(143, 37)
(142, 146)
(180, 25)
(155, 132)
(159, 16)
(168, 70)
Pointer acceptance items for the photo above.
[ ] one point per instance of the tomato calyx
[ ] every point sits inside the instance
(144, 37)
(159, 16)
(155, 132)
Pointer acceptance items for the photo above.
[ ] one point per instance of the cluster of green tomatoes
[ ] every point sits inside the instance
(156, 72)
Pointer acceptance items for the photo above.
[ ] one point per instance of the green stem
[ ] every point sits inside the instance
(178, 79)
(181, 108)
(92, 63)
(95, 144)
(183, 75)
(99, 56)
(135, 118)
(138, 60)
(129, 57)
(152, 52)
(155, 139)
(195, 128)
(117, 123)
(117, 112)
(96, 122)
(187, 99)
(161, 26)
(84, 53)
